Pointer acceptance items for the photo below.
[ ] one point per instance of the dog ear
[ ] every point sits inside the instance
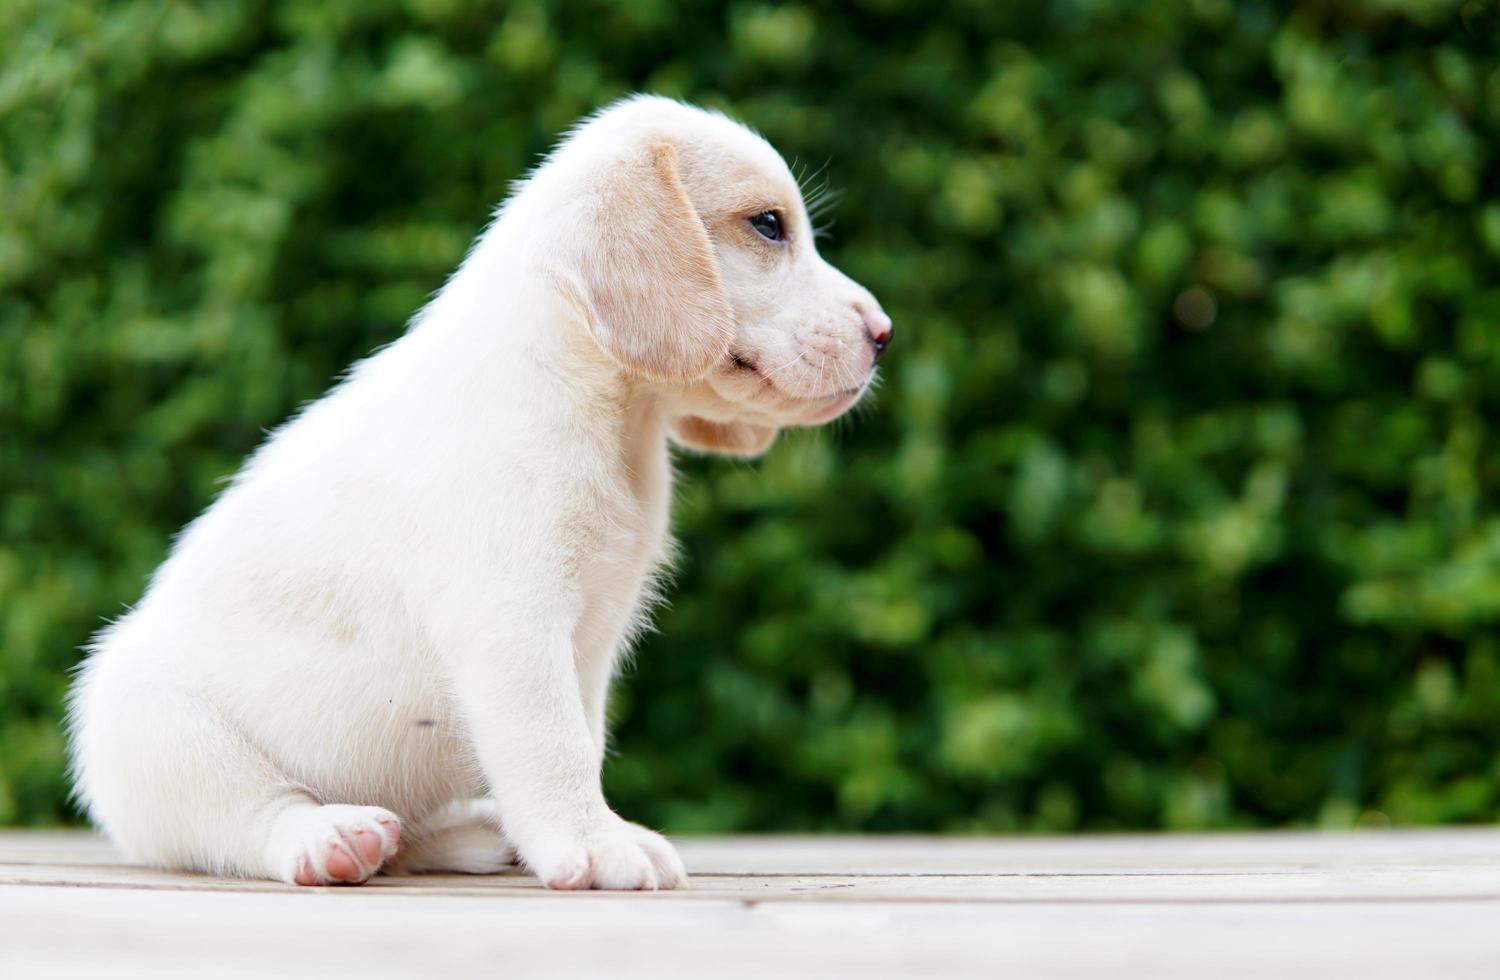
(727, 438)
(646, 268)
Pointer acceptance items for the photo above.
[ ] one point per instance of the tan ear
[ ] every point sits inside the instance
(648, 272)
(728, 438)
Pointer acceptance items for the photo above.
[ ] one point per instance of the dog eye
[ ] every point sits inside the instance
(768, 225)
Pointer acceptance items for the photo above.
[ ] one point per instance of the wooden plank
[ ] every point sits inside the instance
(1350, 905)
(1451, 847)
(1406, 884)
(50, 931)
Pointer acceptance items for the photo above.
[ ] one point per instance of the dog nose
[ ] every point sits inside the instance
(878, 325)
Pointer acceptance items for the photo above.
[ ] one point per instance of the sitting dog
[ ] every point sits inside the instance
(387, 645)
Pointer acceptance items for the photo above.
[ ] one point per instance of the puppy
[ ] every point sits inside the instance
(387, 645)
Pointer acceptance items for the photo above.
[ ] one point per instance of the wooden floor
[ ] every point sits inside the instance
(1413, 905)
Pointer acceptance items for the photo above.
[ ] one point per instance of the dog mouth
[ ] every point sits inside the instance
(836, 405)
(812, 409)
(741, 363)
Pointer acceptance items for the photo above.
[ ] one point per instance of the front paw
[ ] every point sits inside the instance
(618, 856)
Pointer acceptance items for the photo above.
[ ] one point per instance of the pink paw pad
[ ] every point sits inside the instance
(342, 845)
(367, 846)
(341, 865)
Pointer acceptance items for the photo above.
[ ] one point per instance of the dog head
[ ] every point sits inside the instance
(686, 245)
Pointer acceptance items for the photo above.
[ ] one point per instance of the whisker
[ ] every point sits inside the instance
(818, 198)
(822, 200)
(819, 205)
(768, 375)
(806, 179)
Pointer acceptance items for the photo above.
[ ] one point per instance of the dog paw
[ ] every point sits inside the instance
(621, 856)
(464, 837)
(334, 844)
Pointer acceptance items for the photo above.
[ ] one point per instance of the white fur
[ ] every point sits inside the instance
(416, 591)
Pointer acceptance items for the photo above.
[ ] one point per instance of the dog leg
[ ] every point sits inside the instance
(174, 783)
(524, 709)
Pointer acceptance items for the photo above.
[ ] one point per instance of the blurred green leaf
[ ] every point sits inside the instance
(1175, 508)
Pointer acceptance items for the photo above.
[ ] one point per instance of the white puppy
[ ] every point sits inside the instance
(399, 622)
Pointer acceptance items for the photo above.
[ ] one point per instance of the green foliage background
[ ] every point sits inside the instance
(1176, 506)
